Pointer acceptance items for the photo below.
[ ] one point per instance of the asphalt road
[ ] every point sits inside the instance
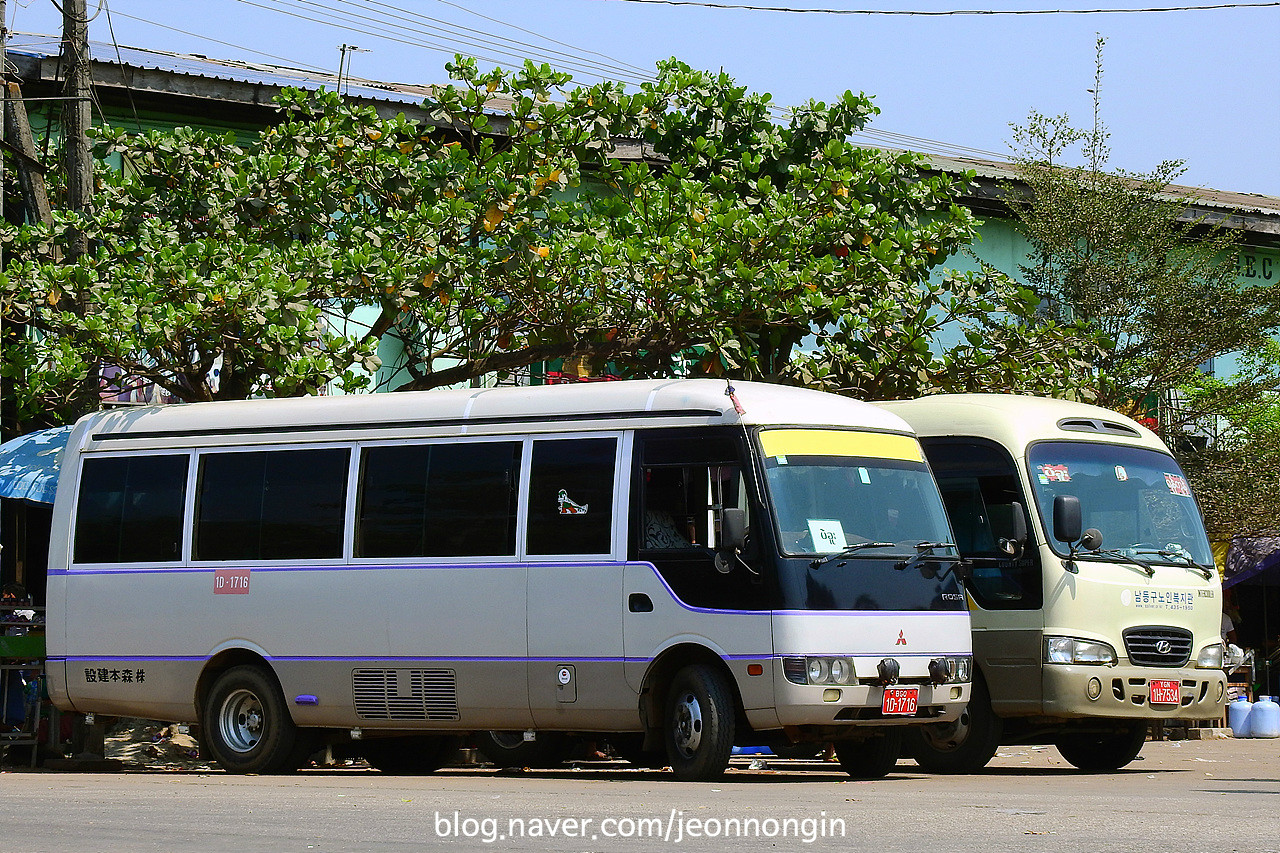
(1217, 795)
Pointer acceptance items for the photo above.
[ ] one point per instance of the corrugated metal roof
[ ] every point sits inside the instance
(1234, 201)
(196, 65)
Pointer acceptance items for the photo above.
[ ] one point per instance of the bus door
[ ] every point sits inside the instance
(680, 587)
(574, 532)
(981, 490)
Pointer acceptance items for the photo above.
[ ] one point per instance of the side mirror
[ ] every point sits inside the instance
(733, 528)
(1091, 539)
(1014, 544)
(1066, 518)
(733, 536)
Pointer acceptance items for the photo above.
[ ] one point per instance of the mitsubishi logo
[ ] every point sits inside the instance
(902, 639)
(1163, 647)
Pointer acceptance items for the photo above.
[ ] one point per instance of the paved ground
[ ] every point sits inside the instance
(1216, 795)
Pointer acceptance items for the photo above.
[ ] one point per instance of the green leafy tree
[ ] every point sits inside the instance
(508, 232)
(1116, 252)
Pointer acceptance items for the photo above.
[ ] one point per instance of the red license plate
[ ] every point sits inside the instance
(900, 700)
(1165, 692)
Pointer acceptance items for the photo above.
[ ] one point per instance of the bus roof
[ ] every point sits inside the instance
(1017, 420)
(554, 408)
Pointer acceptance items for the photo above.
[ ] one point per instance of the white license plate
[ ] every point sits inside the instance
(1165, 692)
(900, 700)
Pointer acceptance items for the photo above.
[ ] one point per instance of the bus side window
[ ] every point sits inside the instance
(130, 509)
(438, 500)
(571, 496)
(271, 505)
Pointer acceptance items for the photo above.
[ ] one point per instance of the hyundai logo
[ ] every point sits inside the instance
(1164, 647)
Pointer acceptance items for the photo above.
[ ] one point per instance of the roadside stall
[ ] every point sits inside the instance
(1251, 598)
(28, 483)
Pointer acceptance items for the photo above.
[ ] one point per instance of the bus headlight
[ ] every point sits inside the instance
(1210, 657)
(951, 670)
(1072, 650)
(819, 670)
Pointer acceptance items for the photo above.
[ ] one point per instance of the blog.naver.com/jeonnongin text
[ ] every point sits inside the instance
(672, 828)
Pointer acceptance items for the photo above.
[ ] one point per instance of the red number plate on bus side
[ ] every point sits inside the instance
(1165, 692)
(900, 700)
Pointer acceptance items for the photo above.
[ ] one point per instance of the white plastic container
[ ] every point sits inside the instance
(1238, 716)
(1264, 719)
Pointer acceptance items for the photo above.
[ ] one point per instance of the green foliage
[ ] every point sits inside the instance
(1117, 252)
(511, 231)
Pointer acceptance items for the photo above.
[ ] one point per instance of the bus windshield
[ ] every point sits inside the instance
(870, 498)
(1138, 499)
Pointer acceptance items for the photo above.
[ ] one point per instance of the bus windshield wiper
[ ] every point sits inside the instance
(1182, 559)
(849, 552)
(924, 553)
(1121, 557)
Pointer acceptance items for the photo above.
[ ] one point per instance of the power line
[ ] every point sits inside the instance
(944, 13)
(329, 16)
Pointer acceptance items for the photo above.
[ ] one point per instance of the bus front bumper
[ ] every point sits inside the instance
(1126, 692)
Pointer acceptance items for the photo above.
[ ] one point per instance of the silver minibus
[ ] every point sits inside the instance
(683, 564)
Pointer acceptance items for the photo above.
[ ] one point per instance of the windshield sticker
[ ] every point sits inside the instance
(1055, 474)
(1157, 599)
(1121, 474)
(828, 534)
(782, 460)
(568, 507)
(778, 443)
(1178, 485)
(864, 476)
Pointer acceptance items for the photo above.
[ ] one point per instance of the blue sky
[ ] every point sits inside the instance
(1198, 86)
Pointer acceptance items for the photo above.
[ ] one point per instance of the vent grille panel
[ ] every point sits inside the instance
(1158, 646)
(405, 694)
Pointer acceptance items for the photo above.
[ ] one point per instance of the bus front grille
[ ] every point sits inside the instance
(1158, 646)
(405, 694)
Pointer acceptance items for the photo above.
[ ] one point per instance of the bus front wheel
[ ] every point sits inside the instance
(246, 723)
(700, 721)
(964, 745)
(870, 759)
(1103, 751)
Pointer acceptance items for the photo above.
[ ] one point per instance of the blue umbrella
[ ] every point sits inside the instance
(29, 465)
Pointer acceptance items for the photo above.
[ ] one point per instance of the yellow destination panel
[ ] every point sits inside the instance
(835, 442)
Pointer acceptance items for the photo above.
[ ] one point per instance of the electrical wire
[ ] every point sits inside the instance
(945, 13)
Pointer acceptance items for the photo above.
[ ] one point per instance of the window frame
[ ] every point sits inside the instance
(357, 475)
(620, 506)
(347, 504)
(185, 532)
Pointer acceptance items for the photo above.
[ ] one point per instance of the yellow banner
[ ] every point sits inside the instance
(837, 442)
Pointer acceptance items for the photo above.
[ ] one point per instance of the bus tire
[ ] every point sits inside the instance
(874, 758)
(510, 749)
(1091, 751)
(700, 721)
(411, 756)
(964, 745)
(246, 723)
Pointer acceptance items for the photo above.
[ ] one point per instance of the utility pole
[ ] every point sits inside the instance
(76, 116)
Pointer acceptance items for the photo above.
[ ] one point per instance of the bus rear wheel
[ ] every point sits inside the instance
(246, 723)
(964, 745)
(1103, 751)
(699, 724)
(874, 758)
